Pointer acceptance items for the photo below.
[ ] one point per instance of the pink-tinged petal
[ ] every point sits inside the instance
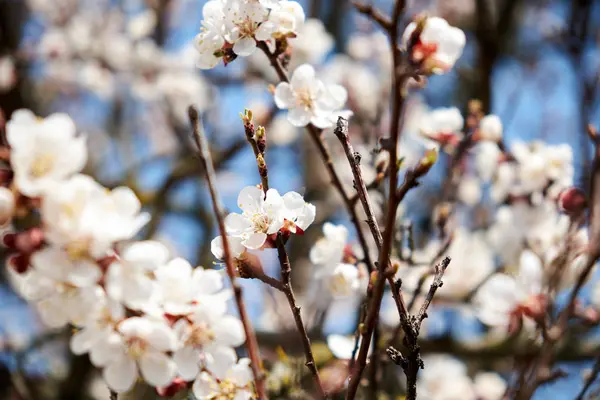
(157, 368)
(255, 240)
(244, 46)
(284, 96)
(120, 375)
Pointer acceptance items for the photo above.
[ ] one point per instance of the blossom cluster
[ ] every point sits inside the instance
(232, 28)
(136, 311)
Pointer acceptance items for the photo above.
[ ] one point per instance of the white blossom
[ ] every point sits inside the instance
(503, 295)
(489, 386)
(469, 190)
(490, 128)
(312, 42)
(140, 343)
(227, 378)
(444, 378)
(443, 124)
(128, 279)
(203, 334)
(439, 45)
(309, 100)
(8, 73)
(43, 151)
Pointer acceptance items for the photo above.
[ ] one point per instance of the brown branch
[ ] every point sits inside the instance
(114, 395)
(374, 14)
(251, 342)
(437, 283)
(286, 277)
(589, 380)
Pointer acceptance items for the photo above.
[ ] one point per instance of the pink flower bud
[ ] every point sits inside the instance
(572, 201)
(19, 262)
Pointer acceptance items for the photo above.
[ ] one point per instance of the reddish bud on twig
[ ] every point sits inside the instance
(175, 387)
(19, 262)
(572, 201)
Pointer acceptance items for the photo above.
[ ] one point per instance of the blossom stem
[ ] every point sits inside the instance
(114, 395)
(251, 342)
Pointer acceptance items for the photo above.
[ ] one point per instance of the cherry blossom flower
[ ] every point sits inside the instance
(8, 73)
(86, 220)
(342, 346)
(444, 378)
(203, 334)
(246, 23)
(58, 299)
(342, 279)
(262, 215)
(43, 151)
(181, 288)
(140, 343)
(309, 100)
(100, 322)
(226, 379)
(444, 125)
(128, 280)
(489, 386)
(504, 297)
(438, 44)
(490, 128)
(210, 40)
(288, 17)
(312, 42)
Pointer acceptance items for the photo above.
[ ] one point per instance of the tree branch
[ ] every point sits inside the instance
(251, 342)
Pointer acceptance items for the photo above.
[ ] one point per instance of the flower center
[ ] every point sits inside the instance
(261, 222)
(201, 335)
(223, 390)
(247, 27)
(78, 249)
(304, 98)
(136, 347)
(42, 165)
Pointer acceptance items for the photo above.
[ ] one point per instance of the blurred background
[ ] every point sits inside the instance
(124, 70)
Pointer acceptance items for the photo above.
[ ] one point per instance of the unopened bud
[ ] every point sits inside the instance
(261, 139)
(260, 161)
(19, 262)
(29, 241)
(572, 201)
(428, 160)
(172, 389)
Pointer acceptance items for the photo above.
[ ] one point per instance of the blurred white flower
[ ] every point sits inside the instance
(210, 40)
(490, 128)
(596, 295)
(469, 190)
(439, 44)
(8, 73)
(142, 24)
(287, 16)
(281, 132)
(86, 219)
(503, 297)
(43, 151)
(444, 378)
(444, 125)
(486, 160)
(141, 343)
(309, 100)
(181, 288)
(128, 279)
(342, 279)
(312, 43)
(226, 378)
(489, 386)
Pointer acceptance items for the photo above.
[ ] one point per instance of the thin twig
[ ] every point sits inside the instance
(251, 342)
(286, 278)
(114, 395)
(589, 381)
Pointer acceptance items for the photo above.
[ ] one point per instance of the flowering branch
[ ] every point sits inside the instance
(257, 140)
(251, 342)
